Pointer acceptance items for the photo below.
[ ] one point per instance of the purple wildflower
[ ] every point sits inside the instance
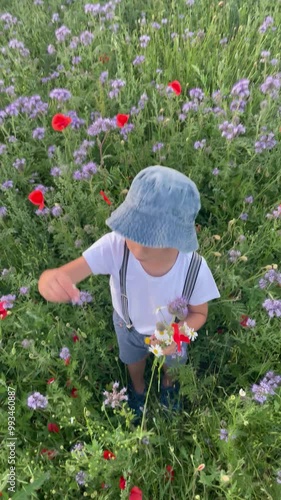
(224, 41)
(7, 185)
(250, 323)
(224, 435)
(19, 164)
(276, 214)
(60, 94)
(3, 211)
(178, 307)
(56, 211)
(190, 106)
(36, 401)
(86, 38)
(61, 33)
(76, 59)
(200, 144)
(55, 18)
(51, 49)
(229, 130)
(3, 149)
(38, 133)
(56, 171)
(101, 125)
(156, 26)
(238, 106)
(243, 216)
(74, 42)
(196, 94)
(81, 477)
(51, 151)
(271, 86)
(144, 39)
(234, 255)
(266, 387)
(65, 353)
(268, 21)
(124, 131)
(76, 121)
(8, 19)
(273, 307)
(103, 77)
(215, 171)
(88, 169)
(249, 199)
(138, 60)
(241, 88)
(157, 147)
(264, 142)
(278, 478)
(26, 344)
(115, 398)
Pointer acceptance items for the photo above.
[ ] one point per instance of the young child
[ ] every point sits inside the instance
(151, 259)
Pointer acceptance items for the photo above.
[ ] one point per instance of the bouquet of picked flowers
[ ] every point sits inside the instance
(164, 334)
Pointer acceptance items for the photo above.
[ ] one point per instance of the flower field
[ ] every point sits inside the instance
(90, 94)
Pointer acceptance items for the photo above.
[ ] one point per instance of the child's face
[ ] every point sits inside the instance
(148, 254)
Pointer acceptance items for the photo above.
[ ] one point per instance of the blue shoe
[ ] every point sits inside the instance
(170, 398)
(136, 401)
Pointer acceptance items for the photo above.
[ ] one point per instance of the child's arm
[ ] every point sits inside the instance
(197, 316)
(56, 285)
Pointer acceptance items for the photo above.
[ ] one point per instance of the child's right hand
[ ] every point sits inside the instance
(56, 286)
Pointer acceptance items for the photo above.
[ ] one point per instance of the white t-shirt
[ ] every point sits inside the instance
(146, 293)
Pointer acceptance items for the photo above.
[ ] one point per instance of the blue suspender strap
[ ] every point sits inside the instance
(191, 277)
(122, 276)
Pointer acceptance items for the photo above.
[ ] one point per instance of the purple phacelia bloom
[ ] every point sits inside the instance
(250, 323)
(3, 149)
(241, 88)
(89, 169)
(60, 94)
(86, 38)
(51, 49)
(24, 290)
(55, 171)
(156, 26)
(190, 106)
(216, 171)
(234, 255)
(103, 77)
(51, 151)
(19, 163)
(38, 133)
(7, 185)
(65, 353)
(266, 24)
(224, 435)
(244, 216)
(271, 86)
(178, 308)
(37, 401)
(229, 130)
(76, 121)
(138, 60)
(81, 477)
(196, 94)
(273, 307)
(3, 211)
(266, 141)
(26, 343)
(238, 106)
(249, 199)
(76, 59)
(8, 19)
(61, 33)
(200, 144)
(124, 131)
(144, 39)
(101, 125)
(56, 211)
(157, 147)
(55, 18)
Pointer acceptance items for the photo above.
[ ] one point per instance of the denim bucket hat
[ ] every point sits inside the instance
(159, 210)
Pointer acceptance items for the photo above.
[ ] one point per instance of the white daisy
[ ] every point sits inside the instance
(192, 335)
(156, 350)
(161, 335)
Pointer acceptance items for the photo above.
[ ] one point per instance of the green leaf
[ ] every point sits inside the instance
(25, 493)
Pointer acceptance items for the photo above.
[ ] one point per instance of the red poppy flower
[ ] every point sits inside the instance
(135, 494)
(49, 453)
(60, 122)
(175, 86)
(170, 473)
(105, 197)
(53, 427)
(179, 337)
(74, 392)
(51, 380)
(37, 198)
(243, 320)
(104, 58)
(122, 483)
(3, 311)
(107, 455)
(67, 361)
(75, 338)
(121, 120)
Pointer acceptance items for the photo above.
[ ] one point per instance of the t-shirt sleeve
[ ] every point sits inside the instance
(99, 256)
(205, 288)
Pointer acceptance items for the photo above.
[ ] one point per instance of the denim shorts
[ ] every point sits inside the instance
(132, 347)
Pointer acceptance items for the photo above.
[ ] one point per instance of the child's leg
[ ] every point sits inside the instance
(168, 380)
(136, 371)
(132, 351)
